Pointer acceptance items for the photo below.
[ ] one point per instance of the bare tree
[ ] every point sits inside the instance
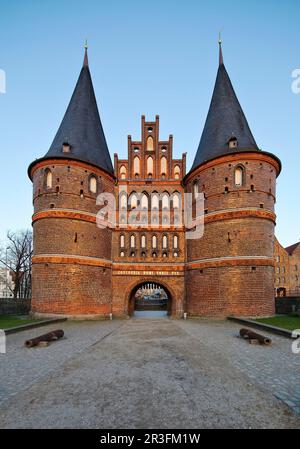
(16, 256)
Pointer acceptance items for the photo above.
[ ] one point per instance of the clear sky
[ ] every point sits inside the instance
(157, 57)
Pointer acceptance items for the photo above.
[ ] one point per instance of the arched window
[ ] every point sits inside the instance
(150, 144)
(176, 200)
(144, 201)
(165, 242)
(93, 184)
(154, 241)
(48, 178)
(122, 241)
(136, 165)
(238, 176)
(122, 172)
(132, 241)
(165, 201)
(163, 165)
(143, 241)
(133, 201)
(123, 201)
(175, 241)
(155, 201)
(176, 172)
(149, 166)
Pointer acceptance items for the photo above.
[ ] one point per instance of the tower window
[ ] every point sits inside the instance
(93, 184)
(232, 142)
(48, 178)
(195, 189)
(66, 147)
(239, 176)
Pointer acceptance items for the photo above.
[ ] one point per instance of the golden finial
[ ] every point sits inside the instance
(220, 37)
(86, 44)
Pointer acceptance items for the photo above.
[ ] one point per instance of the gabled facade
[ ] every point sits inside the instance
(287, 270)
(86, 270)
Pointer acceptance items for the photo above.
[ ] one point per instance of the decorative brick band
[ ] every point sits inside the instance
(65, 213)
(235, 214)
(68, 162)
(255, 155)
(208, 218)
(246, 261)
(71, 259)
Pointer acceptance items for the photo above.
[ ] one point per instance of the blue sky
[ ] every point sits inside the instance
(157, 57)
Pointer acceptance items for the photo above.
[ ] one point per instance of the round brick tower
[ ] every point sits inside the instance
(230, 270)
(72, 256)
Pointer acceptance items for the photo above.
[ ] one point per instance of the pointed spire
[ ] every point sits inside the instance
(220, 50)
(81, 128)
(85, 60)
(225, 119)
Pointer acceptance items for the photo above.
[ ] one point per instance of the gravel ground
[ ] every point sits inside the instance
(149, 373)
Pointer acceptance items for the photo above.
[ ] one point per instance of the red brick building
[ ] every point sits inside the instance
(82, 267)
(287, 269)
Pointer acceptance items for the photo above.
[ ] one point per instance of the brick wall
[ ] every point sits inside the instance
(230, 270)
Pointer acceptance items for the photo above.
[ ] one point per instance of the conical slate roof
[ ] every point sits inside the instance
(225, 120)
(81, 126)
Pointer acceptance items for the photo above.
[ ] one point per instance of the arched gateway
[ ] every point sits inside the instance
(150, 299)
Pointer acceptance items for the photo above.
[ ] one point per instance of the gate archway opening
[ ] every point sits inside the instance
(150, 300)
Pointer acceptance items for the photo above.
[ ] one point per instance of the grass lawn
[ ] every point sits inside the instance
(7, 321)
(290, 322)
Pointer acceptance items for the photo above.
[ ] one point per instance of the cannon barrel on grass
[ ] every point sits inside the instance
(51, 336)
(248, 334)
